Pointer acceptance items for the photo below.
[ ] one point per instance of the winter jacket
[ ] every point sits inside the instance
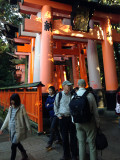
(50, 100)
(21, 123)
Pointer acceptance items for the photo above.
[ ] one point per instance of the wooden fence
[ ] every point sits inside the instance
(31, 97)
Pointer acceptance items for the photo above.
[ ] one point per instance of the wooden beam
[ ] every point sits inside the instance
(66, 51)
(25, 34)
(22, 53)
(101, 16)
(25, 48)
(32, 25)
(22, 41)
(56, 6)
(66, 30)
(35, 25)
(27, 10)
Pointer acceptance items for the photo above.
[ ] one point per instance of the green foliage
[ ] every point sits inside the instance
(7, 68)
(109, 2)
(10, 14)
(106, 2)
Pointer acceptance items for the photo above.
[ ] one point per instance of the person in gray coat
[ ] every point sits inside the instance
(18, 123)
(87, 131)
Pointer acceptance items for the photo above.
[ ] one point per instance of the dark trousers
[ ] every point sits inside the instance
(54, 131)
(69, 138)
(14, 148)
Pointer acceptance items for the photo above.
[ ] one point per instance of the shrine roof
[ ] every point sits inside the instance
(27, 85)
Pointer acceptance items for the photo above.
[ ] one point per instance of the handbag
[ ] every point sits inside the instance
(101, 140)
(117, 109)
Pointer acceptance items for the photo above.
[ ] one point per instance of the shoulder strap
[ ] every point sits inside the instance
(85, 94)
(60, 96)
(75, 95)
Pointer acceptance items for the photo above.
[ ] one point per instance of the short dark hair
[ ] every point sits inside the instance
(16, 98)
(52, 87)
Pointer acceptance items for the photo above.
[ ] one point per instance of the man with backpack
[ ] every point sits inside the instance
(67, 128)
(86, 119)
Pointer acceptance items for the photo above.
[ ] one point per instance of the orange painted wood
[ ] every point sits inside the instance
(32, 59)
(66, 30)
(59, 83)
(75, 70)
(32, 101)
(33, 25)
(25, 48)
(108, 58)
(56, 6)
(27, 10)
(101, 16)
(66, 51)
(83, 72)
(21, 40)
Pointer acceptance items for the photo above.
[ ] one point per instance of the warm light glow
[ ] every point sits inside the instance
(101, 32)
(38, 19)
(109, 33)
(66, 28)
(51, 59)
(47, 15)
(55, 74)
(56, 32)
(65, 77)
(98, 34)
(98, 68)
(77, 35)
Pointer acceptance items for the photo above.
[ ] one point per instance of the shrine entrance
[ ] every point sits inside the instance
(56, 39)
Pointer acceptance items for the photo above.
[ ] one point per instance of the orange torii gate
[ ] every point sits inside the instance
(51, 30)
(26, 50)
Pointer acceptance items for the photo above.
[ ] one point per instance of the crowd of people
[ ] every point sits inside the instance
(73, 136)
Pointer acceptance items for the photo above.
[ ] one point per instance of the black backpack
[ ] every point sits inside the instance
(80, 109)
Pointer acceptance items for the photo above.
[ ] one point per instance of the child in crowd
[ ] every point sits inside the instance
(17, 122)
(54, 131)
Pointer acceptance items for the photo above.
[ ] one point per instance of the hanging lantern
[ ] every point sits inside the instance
(80, 18)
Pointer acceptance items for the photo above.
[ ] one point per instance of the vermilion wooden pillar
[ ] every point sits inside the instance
(32, 59)
(55, 77)
(62, 73)
(108, 57)
(75, 70)
(58, 77)
(46, 56)
(83, 73)
(109, 64)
